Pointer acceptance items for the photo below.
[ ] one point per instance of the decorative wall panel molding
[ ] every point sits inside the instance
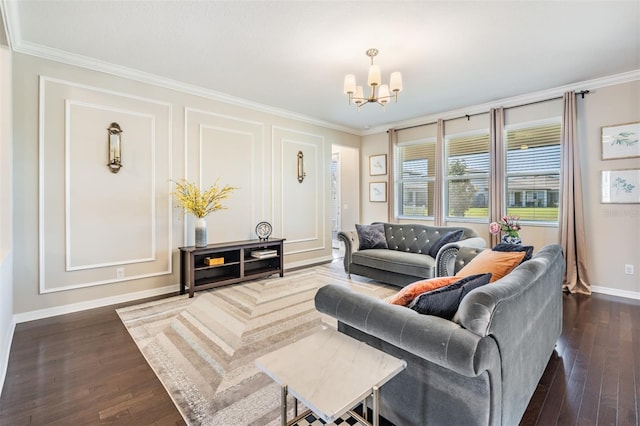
(97, 227)
(132, 212)
(300, 206)
(230, 149)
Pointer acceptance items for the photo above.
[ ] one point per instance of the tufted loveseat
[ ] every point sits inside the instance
(406, 259)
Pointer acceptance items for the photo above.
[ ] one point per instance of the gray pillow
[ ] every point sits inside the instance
(444, 301)
(371, 236)
(449, 237)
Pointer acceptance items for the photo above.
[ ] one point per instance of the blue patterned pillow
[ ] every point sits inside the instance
(449, 237)
(504, 247)
(371, 236)
(444, 301)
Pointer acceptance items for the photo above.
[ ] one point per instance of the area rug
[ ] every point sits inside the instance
(203, 348)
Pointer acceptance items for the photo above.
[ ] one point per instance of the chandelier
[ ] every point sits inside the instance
(380, 93)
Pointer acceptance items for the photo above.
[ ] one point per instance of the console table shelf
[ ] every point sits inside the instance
(238, 264)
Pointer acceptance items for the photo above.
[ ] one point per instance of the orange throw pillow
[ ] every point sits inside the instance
(497, 262)
(413, 290)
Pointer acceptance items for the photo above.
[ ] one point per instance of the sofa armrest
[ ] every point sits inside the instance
(351, 244)
(447, 260)
(434, 339)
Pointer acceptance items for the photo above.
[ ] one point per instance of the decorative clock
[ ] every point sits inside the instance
(263, 230)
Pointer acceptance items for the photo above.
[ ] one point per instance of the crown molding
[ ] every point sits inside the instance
(9, 12)
(61, 56)
(143, 77)
(515, 101)
(12, 26)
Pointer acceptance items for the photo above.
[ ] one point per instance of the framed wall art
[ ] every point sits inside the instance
(621, 141)
(378, 192)
(377, 165)
(621, 186)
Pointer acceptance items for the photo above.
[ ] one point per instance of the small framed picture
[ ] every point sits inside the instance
(378, 165)
(621, 141)
(378, 192)
(621, 186)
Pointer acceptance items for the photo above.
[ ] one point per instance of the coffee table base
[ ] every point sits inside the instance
(364, 420)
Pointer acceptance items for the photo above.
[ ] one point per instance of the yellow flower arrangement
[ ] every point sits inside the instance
(200, 203)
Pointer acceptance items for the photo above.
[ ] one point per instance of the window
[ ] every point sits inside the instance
(415, 178)
(528, 167)
(533, 171)
(467, 176)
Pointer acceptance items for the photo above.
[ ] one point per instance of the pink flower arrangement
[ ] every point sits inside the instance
(509, 224)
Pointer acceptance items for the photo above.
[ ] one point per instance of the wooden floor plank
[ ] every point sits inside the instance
(589, 405)
(578, 377)
(627, 404)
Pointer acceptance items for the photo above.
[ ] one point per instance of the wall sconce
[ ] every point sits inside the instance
(115, 149)
(301, 173)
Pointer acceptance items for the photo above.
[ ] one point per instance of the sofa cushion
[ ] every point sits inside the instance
(444, 301)
(410, 292)
(406, 263)
(449, 237)
(515, 247)
(496, 262)
(371, 236)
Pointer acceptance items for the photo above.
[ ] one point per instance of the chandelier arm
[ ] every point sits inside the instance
(366, 101)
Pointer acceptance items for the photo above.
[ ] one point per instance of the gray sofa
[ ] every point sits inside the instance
(406, 260)
(480, 369)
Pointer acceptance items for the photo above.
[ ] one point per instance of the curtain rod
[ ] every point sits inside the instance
(468, 116)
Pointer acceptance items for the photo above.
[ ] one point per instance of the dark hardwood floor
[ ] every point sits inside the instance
(595, 377)
(81, 369)
(84, 369)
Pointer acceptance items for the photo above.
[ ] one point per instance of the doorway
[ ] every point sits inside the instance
(335, 199)
(344, 192)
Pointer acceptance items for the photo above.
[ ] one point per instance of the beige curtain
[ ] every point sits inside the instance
(391, 181)
(497, 175)
(438, 219)
(571, 216)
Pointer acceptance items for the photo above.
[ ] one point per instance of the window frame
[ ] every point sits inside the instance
(446, 179)
(546, 172)
(399, 182)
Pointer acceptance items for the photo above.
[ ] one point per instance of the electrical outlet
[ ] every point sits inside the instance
(628, 269)
(120, 273)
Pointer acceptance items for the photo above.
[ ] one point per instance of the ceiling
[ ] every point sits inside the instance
(293, 55)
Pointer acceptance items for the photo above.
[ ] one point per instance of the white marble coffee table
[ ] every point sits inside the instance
(330, 373)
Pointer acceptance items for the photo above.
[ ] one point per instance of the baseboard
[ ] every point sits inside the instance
(306, 263)
(90, 304)
(7, 340)
(128, 297)
(614, 292)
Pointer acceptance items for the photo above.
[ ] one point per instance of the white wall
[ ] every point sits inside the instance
(87, 223)
(613, 231)
(373, 145)
(6, 232)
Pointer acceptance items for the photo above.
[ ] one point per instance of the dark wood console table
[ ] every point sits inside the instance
(238, 262)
